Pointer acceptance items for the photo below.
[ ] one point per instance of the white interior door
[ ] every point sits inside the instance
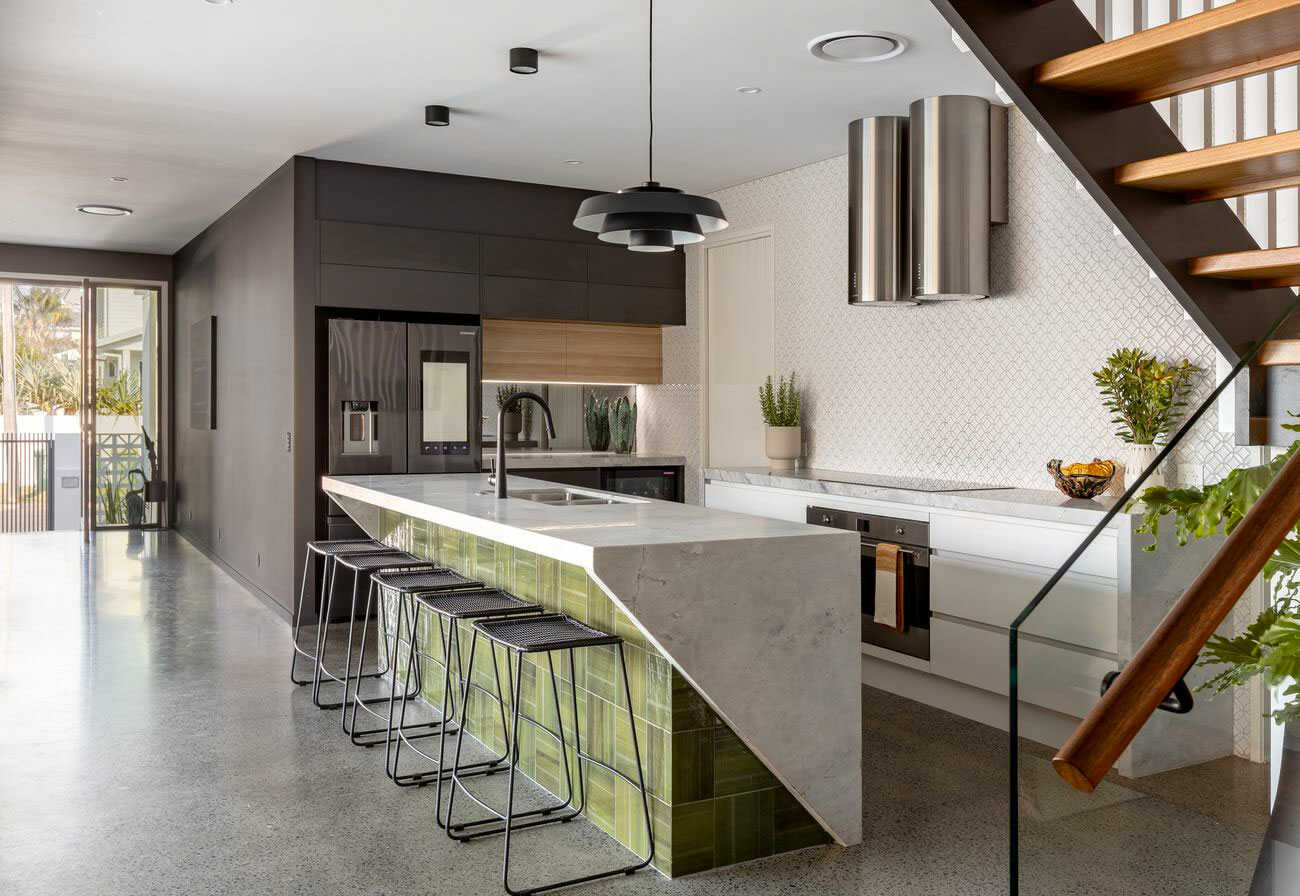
(738, 357)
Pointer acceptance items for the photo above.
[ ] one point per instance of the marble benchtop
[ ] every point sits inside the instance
(761, 616)
(546, 459)
(1035, 504)
(568, 533)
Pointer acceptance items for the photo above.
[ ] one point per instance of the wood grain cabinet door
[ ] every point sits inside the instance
(523, 350)
(606, 353)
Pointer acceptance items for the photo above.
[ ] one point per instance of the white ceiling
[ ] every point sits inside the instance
(197, 103)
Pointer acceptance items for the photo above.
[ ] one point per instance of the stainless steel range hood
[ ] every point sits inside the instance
(923, 191)
(879, 269)
(955, 142)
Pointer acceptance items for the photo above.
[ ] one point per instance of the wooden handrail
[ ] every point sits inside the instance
(1174, 645)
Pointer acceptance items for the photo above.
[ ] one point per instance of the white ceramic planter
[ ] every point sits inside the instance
(1136, 459)
(784, 446)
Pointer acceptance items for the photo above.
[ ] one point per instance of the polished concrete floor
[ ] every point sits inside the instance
(151, 744)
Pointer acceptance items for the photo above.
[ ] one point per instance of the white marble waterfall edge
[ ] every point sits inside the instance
(761, 616)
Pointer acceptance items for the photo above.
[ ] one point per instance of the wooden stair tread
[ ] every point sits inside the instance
(1279, 353)
(1218, 172)
(1210, 47)
(1267, 267)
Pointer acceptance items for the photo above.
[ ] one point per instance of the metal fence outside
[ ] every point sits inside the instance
(26, 480)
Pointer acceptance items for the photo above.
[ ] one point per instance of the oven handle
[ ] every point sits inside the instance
(920, 556)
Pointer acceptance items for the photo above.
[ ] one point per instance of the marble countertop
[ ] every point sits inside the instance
(1037, 504)
(570, 533)
(542, 459)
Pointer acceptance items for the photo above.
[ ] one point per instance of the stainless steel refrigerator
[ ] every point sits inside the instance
(403, 397)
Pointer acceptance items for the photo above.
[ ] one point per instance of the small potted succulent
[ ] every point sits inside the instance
(780, 406)
(513, 420)
(1145, 396)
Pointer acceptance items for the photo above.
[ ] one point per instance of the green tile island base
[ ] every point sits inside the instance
(712, 801)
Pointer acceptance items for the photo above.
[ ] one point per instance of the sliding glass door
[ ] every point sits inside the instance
(123, 374)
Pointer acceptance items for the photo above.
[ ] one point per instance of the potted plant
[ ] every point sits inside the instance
(513, 420)
(780, 406)
(1145, 397)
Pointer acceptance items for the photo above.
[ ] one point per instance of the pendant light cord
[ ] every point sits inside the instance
(650, 93)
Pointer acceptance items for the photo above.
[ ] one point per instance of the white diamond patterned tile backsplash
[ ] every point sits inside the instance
(986, 391)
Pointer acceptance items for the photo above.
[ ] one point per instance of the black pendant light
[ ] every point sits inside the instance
(651, 217)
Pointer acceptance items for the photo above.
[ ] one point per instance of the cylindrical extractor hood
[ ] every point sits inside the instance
(879, 270)
(950, 197)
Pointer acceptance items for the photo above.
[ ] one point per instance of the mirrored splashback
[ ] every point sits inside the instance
(566, 401)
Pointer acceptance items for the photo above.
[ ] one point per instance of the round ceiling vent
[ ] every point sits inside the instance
(857, 46)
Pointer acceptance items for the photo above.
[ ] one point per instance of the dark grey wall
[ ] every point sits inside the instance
(55, 261)
(235, 483)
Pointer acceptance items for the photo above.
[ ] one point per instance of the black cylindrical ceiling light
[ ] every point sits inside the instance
(523, 60)
(651, 217)
(437, 116)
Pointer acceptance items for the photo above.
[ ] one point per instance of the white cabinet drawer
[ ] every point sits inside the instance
(1080, 610)
(1057, 678)
(1035, 543)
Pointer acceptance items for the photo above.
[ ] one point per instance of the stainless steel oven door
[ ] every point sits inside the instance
(914, 640)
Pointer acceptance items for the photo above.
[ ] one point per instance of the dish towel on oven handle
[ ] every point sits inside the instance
(889, 587)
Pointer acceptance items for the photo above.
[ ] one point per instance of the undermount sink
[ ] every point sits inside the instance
(563, 497)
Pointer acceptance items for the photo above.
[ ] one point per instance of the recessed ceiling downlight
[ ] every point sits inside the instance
(104, 211)
(857, 46)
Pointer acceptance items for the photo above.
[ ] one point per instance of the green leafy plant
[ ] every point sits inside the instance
(1270, 646)
(112, 502)
(1144, 394)
(595, 415)
(45, 383)
(120, 396)
(779, 403)
(504, 392)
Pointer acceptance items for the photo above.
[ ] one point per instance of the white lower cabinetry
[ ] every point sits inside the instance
(1051, 676)
(984, 569)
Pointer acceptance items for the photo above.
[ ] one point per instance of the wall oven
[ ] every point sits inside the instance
(913, 540)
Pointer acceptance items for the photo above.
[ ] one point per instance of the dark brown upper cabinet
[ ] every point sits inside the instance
(622, 267)
(398, 289)
(540, 259)
(432, 239)
(532, 299)
(375, 245)
(635, 304)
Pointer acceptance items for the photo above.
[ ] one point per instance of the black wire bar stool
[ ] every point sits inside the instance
(325, 551)
(403, 586)
(449, 609)
(360, 566)
(547, 634)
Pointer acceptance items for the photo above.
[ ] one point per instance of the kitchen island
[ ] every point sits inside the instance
(742, 643)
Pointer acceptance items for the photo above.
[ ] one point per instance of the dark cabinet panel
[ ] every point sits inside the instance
(398, 289)
(635, 304)
(580, 477)
(398, 247)
(527, 298)
(379, 195)
(615, 264)
(543, 259)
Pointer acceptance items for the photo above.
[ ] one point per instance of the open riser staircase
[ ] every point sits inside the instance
(1114, 111)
